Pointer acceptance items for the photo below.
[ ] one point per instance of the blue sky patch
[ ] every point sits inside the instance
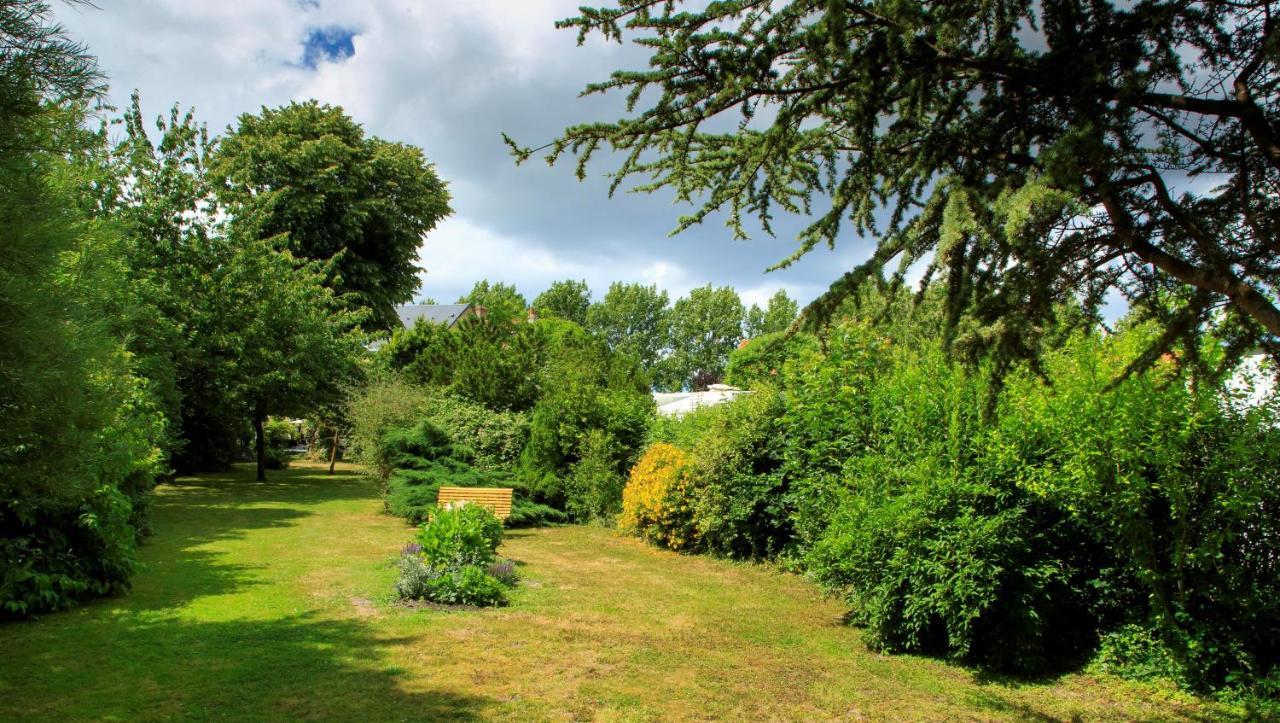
(332, 44)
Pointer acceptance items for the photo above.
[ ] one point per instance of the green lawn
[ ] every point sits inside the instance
(270, 601)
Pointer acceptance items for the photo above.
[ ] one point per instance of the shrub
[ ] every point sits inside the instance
(594, 487)
(495, 438)
(655, 501)
(934, 548)
(585, 387)
(467, 585)
(1183, 487)
(422, 459)
(454, 559)
(77, 539)
(1137, 653)
(385, 403)
(464, 535)
(761, 360)
(279, 437)
(738, 494)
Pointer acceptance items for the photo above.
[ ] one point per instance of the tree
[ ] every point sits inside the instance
(632, 318)
(1034, 155)
(502, 301)
(294, 343)
(705, 326)
(360, 203)
(566, 299)
(776, 317)
(78, 448)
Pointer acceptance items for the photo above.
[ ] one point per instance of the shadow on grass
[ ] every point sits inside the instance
(148, 655)
(285, 669)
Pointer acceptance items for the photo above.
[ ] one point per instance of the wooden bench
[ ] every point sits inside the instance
(497, 499)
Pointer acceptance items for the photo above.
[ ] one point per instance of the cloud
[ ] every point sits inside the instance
(450, 78)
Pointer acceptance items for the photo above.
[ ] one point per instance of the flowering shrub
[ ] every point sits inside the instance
(656, 502)
(453, 560)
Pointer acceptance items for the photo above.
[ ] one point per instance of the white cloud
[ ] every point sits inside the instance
(448, 77)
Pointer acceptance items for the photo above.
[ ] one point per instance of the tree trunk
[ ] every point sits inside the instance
(261, 439)
(333, 453)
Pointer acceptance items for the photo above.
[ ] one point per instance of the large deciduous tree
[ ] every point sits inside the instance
(293, 342)
(502, 302)
(632, 318)
(566, 299)
(705, 326)
(1033, 155)
(777, 316)
(361, 203)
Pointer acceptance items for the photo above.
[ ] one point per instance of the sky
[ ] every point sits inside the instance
(450, 77)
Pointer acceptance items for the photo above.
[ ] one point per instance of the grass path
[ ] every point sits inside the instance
(270, 601)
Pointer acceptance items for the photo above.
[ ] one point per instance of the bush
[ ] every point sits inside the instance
(1184, 489)
(1135, 652)
(77, 539)
(468, 585)
(761, 360)
(585, 387)
(494, 438)
(385, 403)
(935, 549)
(454, 560)
(594, 487)
(738, 494)
(464, 535)
(655, 501)
(422, 459)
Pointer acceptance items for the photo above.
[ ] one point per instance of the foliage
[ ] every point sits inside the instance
(294, 344)
(278, 434)
(655, 502)
(761, 359)
(733, 479)
(632, 319)
(82, 432)
(1183, 487)
(776, 317)
(584, 387)
(464, 535)
(494, 363)
(494, 438)
(385, 402)
(487, 361)
(359, 204)
(568, 300)
(705, 326)
(1136, 653)
(421, 459)
(455, 550)
(934, 549)
(863, 114)
(593, 490)
(503, 304)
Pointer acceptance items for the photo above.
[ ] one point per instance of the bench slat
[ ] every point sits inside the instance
(497, 499)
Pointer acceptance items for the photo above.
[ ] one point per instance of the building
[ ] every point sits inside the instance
(447, 314)
(678, 404)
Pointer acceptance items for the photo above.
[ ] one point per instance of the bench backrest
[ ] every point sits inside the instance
(497, 499)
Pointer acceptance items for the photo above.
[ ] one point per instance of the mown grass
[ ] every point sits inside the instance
(271, 601)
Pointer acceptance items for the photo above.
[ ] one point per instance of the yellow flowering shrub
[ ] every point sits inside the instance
(656, 502)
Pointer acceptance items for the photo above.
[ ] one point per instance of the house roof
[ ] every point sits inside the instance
(447, 314)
